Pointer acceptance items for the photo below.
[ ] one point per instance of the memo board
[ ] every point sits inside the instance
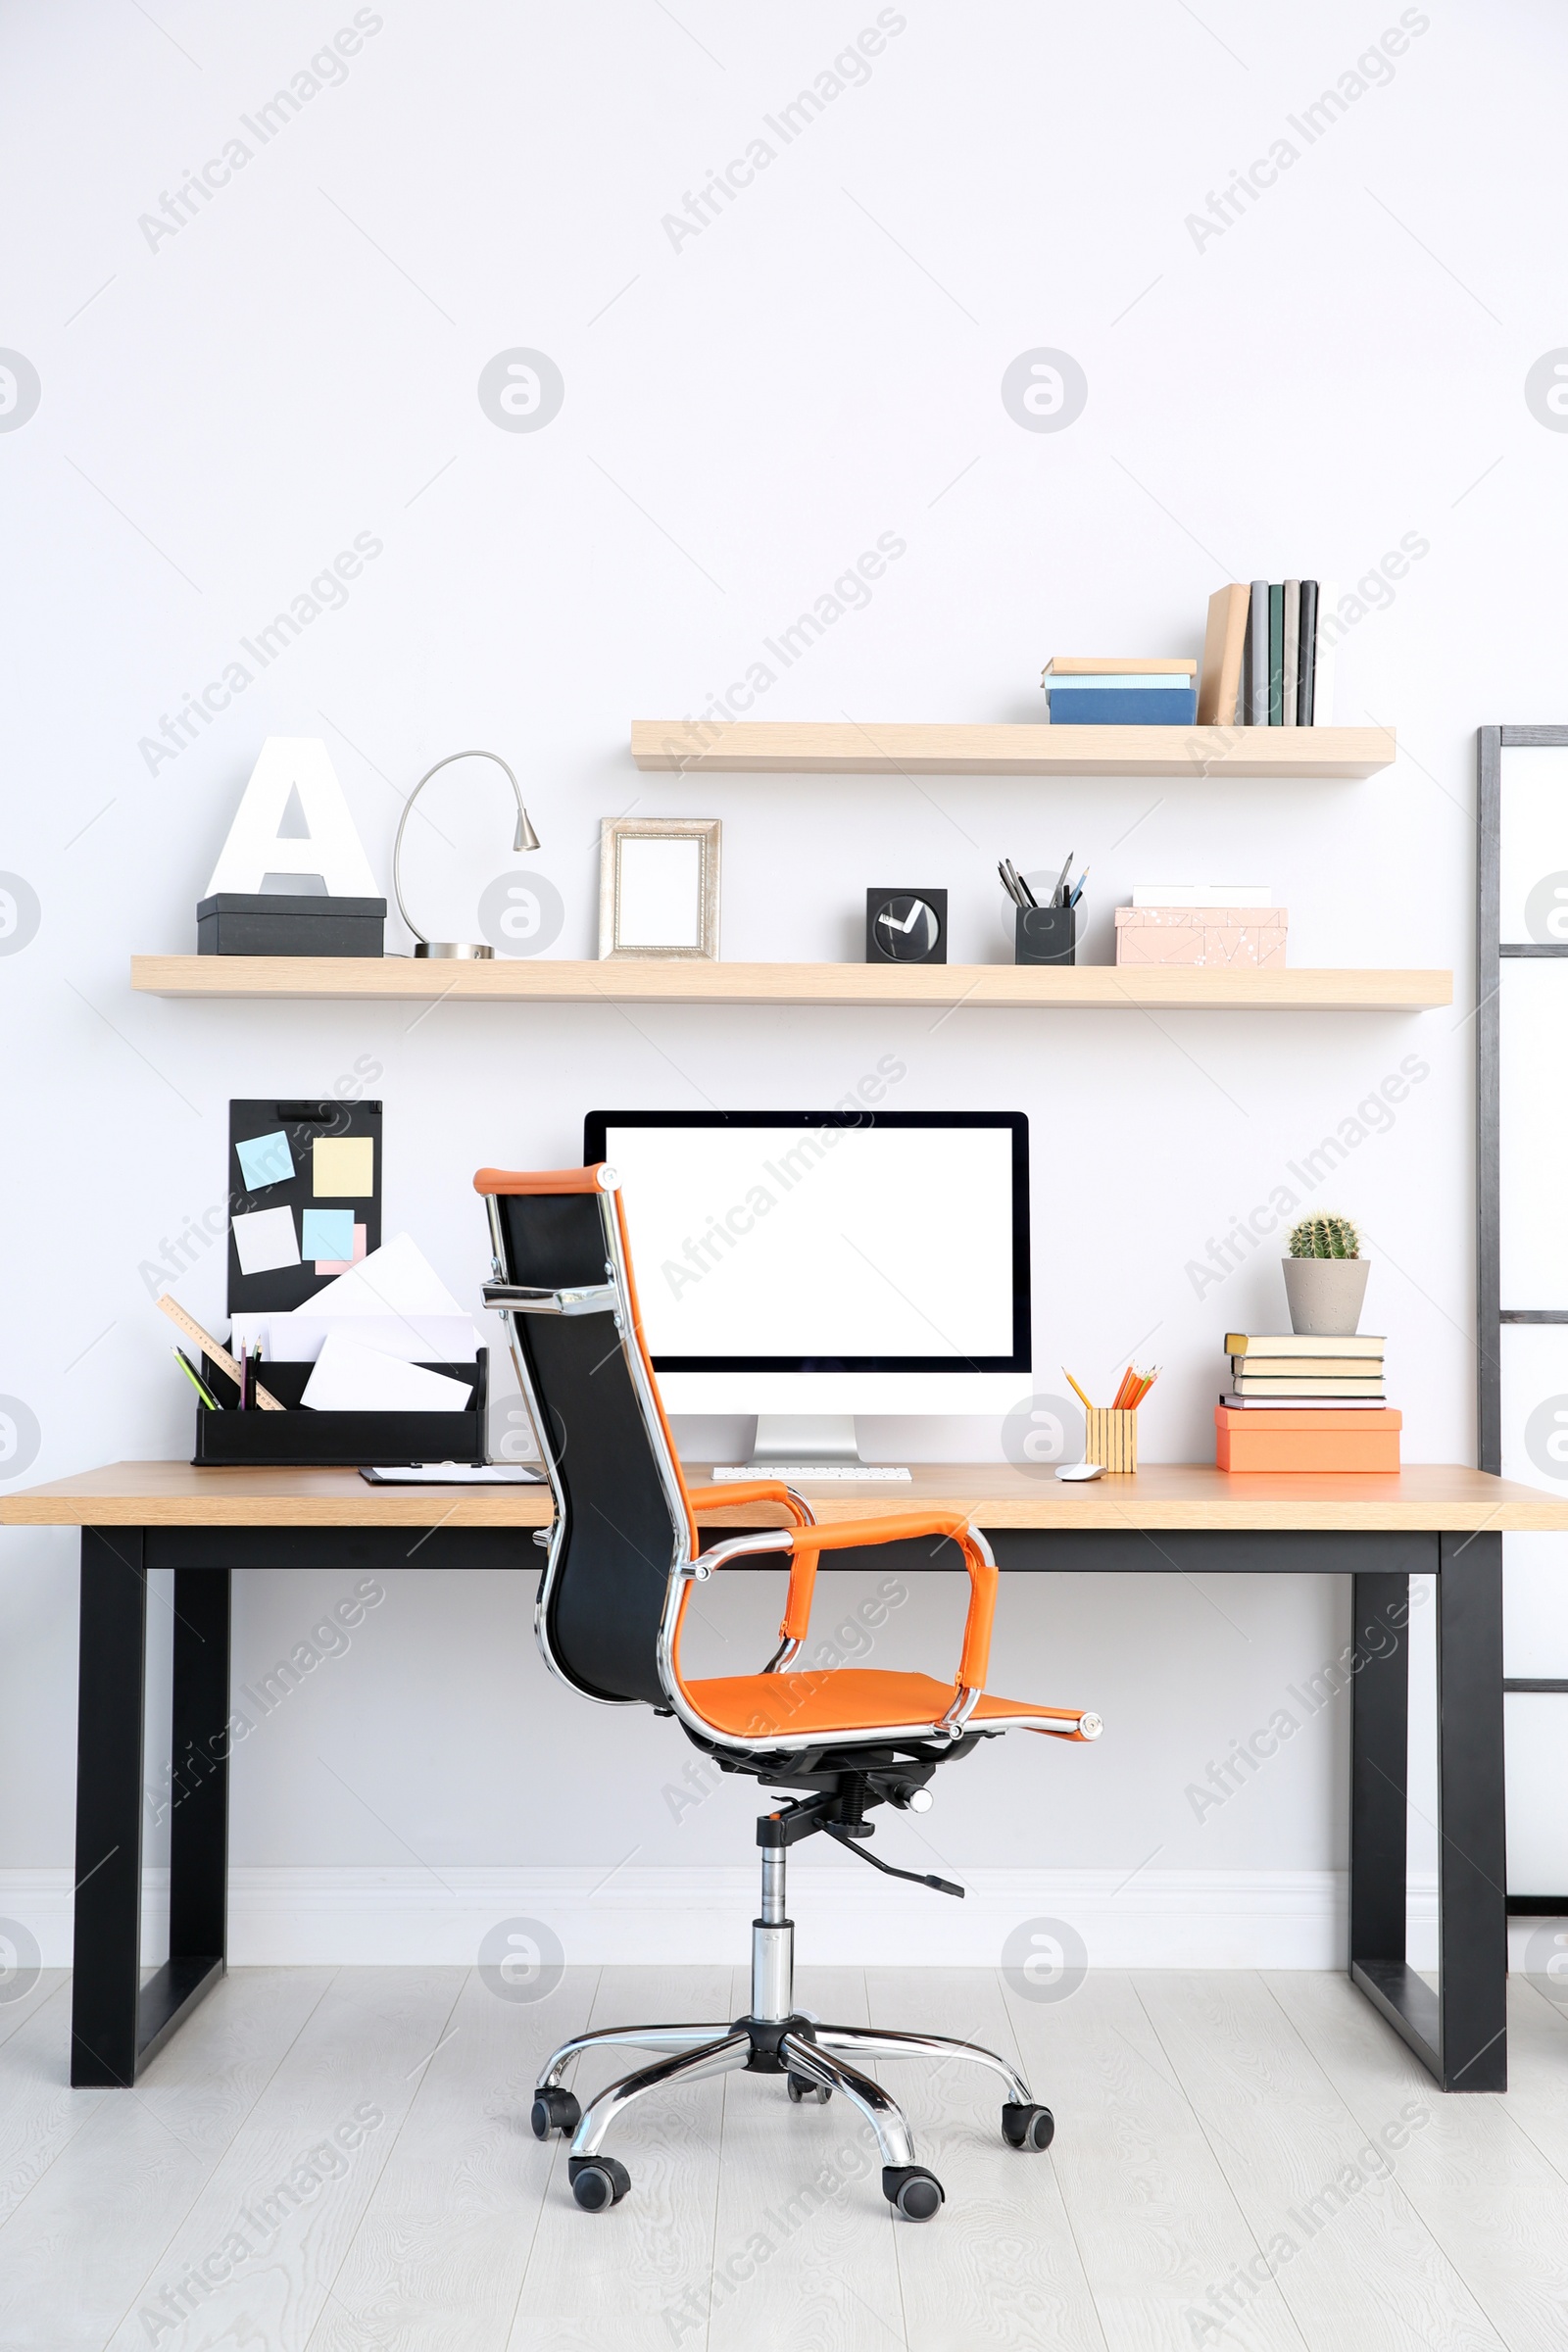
(308, 1199)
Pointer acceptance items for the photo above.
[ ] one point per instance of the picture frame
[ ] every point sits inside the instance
(658, 887)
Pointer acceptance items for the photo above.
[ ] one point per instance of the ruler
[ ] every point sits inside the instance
(221, 1356)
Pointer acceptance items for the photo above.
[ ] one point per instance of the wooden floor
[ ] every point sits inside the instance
(335, 2160)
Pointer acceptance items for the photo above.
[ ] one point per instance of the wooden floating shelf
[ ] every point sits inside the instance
(1169, 988)
(806, 747)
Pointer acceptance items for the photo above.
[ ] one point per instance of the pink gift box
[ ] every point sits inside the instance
(1220, 938)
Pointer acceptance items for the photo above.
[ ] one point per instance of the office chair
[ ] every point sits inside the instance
(623, 1558)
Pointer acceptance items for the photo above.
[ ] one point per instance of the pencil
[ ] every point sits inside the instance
(1077, 1390)
(195, 1379)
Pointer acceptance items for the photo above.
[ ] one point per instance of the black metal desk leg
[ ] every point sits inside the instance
(110, 1696)
(198, 1828)
(1380, 1743)
(1472, 1867)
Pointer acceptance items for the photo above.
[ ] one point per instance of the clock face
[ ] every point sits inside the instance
(907, 930)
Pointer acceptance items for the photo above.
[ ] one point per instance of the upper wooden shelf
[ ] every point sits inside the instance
(1173, 988)
(808, 747)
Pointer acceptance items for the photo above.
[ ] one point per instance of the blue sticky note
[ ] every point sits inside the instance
(265, 1159)
(328, 1233)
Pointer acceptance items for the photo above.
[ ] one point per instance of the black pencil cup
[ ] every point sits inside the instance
(1046, 935)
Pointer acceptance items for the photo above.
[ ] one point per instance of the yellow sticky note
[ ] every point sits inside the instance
(343, 1166)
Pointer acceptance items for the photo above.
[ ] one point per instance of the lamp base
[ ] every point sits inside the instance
(460, 950)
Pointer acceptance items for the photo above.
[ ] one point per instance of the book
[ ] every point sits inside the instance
(1302, 1367)
(1276, 651)
(1137, 682)
(1310, 1386)
(1302, 1342)
(1110, 708)
(1234, 1401)
(1328, 596)
(1257, 654)
(1306, 663)
(1224, 646)
(1290, 651)
(1113, 665)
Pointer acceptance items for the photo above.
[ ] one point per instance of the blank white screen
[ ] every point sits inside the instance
(796, 1241)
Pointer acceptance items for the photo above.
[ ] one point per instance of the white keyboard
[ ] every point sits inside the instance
(856, 1473)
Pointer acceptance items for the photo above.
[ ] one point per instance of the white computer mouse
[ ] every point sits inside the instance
(1080, 1470)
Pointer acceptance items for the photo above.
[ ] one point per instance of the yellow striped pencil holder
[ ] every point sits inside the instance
(1110, 1437)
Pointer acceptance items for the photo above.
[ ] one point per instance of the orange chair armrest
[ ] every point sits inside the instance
(845, 1535)
(797, 1616)
(756, 1490)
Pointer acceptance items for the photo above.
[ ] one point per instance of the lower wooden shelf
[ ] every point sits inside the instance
(882, 748)
(1169, 988)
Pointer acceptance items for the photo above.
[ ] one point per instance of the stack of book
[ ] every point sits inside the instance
(1301, 1403)
(1296, 1370)
(1130, 690)
(1268, 656)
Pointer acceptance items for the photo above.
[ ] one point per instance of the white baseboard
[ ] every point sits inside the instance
(1159, 1918)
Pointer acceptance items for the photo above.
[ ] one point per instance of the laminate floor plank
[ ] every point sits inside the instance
(1490, 2199)
(73, 2254)
(39, 2111)
(254, 2260)
(613, 2279)
(1000, 2265)
(19, 2005)
(802, 2251)
(1153, 2216)
(1537, 2071)
(1351, 2255)
(441, 2249)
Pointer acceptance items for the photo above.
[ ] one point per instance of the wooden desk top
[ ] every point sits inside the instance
(1434, 1495)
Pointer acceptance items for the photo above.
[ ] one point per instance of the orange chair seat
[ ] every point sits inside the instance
(849, 1699)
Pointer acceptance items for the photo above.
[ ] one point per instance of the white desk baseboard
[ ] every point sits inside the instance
(1165, 1919)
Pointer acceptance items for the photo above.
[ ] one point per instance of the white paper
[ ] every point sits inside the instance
(351, 1379)
(265, 1240)
(297, 1338)
(398, 1279)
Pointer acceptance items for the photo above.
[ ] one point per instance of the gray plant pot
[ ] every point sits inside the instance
(1325, 1294)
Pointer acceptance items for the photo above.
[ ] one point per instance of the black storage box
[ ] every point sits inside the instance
(298, 1439)
(1046, 935)
(268, 923)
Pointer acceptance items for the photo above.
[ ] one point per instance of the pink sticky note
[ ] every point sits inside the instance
(341, 1266)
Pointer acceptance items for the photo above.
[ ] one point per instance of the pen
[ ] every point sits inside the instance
(1056, 899)
(1077, 1390)
(195, 1379)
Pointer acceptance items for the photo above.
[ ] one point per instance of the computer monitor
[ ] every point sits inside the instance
(818, 1264)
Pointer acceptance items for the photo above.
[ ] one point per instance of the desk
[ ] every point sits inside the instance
(1178, 1518)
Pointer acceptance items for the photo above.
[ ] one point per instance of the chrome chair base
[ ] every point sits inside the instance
(812, 2056)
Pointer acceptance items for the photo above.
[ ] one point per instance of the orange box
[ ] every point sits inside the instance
(1359, 1443)
(1213, 938)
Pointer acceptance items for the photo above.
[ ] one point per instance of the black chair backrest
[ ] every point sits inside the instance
(612, 1472)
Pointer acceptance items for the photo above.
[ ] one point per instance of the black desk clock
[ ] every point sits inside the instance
(906, 926)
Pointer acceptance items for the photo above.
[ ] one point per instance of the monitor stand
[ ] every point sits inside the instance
(796, 1438)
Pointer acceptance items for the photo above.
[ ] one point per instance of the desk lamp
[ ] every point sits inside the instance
(526, 838)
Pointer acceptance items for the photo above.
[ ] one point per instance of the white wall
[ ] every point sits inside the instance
(226, 407)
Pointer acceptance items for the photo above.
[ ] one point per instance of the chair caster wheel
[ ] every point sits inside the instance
(597, 2182)
(801, 2088)
(1028, 2127)
(555, 2111)
(912, 2191)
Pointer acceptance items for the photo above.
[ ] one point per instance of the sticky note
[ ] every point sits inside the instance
(265, 1239)
(265, 1159)
(343, 1168)
(328, 1234)
(343, 1265)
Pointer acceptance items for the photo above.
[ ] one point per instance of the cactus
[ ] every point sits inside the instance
(1325, 1237)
